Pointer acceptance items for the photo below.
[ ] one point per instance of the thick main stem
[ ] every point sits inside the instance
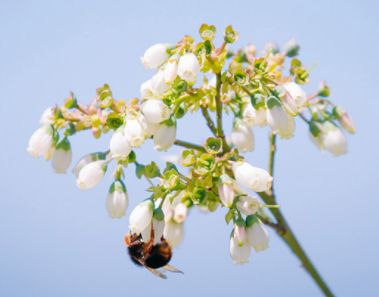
(220, 131)
(286, 233)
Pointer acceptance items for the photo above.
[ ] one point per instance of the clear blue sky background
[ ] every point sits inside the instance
(58, 241)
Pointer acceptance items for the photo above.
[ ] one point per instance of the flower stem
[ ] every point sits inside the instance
(209, 120)
(220, 132)
(189, 145)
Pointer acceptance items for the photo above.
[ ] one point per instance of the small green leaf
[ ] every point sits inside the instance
(140, 170)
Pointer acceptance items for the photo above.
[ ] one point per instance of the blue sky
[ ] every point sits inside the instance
(58, 241)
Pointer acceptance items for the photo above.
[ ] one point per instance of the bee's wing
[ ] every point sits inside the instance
(153, 271)
(172, 269)
(156, 272)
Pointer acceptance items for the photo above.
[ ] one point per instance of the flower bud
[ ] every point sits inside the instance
(188, 68)
(171, 70)
(295, 97)
(41, 143)
(155, 111)
(47, 116)
(146, 90)
(117, 200)
(155, 56)
(257, 179)
(248, 205)
(120, 146)
(62, 156)
(260, 117)
(86, 159)
(242, 137)
(333, 140)
(239, 254)
(180, 213)
(164, 137)
(141, 216)
(226, 192)
(91, 174)
(158, 84)
(345, 120)
(249, 114)
(173, 233)
(291, 48)
(257, 236)
(279, 121)
(135, 132)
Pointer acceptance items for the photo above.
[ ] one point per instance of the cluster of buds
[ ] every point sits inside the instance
(190, 77)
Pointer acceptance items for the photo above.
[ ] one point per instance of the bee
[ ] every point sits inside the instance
(149, 255)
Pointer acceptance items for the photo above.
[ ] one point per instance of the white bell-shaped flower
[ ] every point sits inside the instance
(86, 159)
(249, 114)
(117, 200)
(171, 70)
(158, 84)
(240, 254)
(158, 226)
(155, 111)
(242, 137)
(155, 56)
(135, 132)
(146, 90)
(239, 233)
(62, 156)
(294, 97)
(141, 216)
(164, 137)
(41, 143)
(180, 213)
(174, 233)
(91, 174)
(188, 68)
(280, 121)
(120, 146)
(334, 140)
(248, 205)
(46, 117)
(257, 179)
(257, 236)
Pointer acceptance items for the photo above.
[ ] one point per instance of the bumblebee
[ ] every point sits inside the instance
(149, 255)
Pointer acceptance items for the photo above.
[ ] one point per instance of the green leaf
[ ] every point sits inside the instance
(152, 170)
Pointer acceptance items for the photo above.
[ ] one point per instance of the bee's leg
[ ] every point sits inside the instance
(149, 245)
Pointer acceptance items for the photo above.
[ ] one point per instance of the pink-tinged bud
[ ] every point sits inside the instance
(345, 120)
(226, 193)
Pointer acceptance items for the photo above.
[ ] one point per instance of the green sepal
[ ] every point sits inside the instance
(251, 220)
(213, 145)
(229, 216)
(115, 120)
(152, 170)
(64, 144)
(140, 170)
(230, 36)
(272, 102)
(240, 222)
(314, 129)
(158, 214)
(207, 32)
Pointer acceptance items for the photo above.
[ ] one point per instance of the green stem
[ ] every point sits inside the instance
(220, 132)
(209, 120)
(189, 145)
(286, 233)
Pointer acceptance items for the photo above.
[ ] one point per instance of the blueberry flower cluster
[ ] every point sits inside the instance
(255, 88)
